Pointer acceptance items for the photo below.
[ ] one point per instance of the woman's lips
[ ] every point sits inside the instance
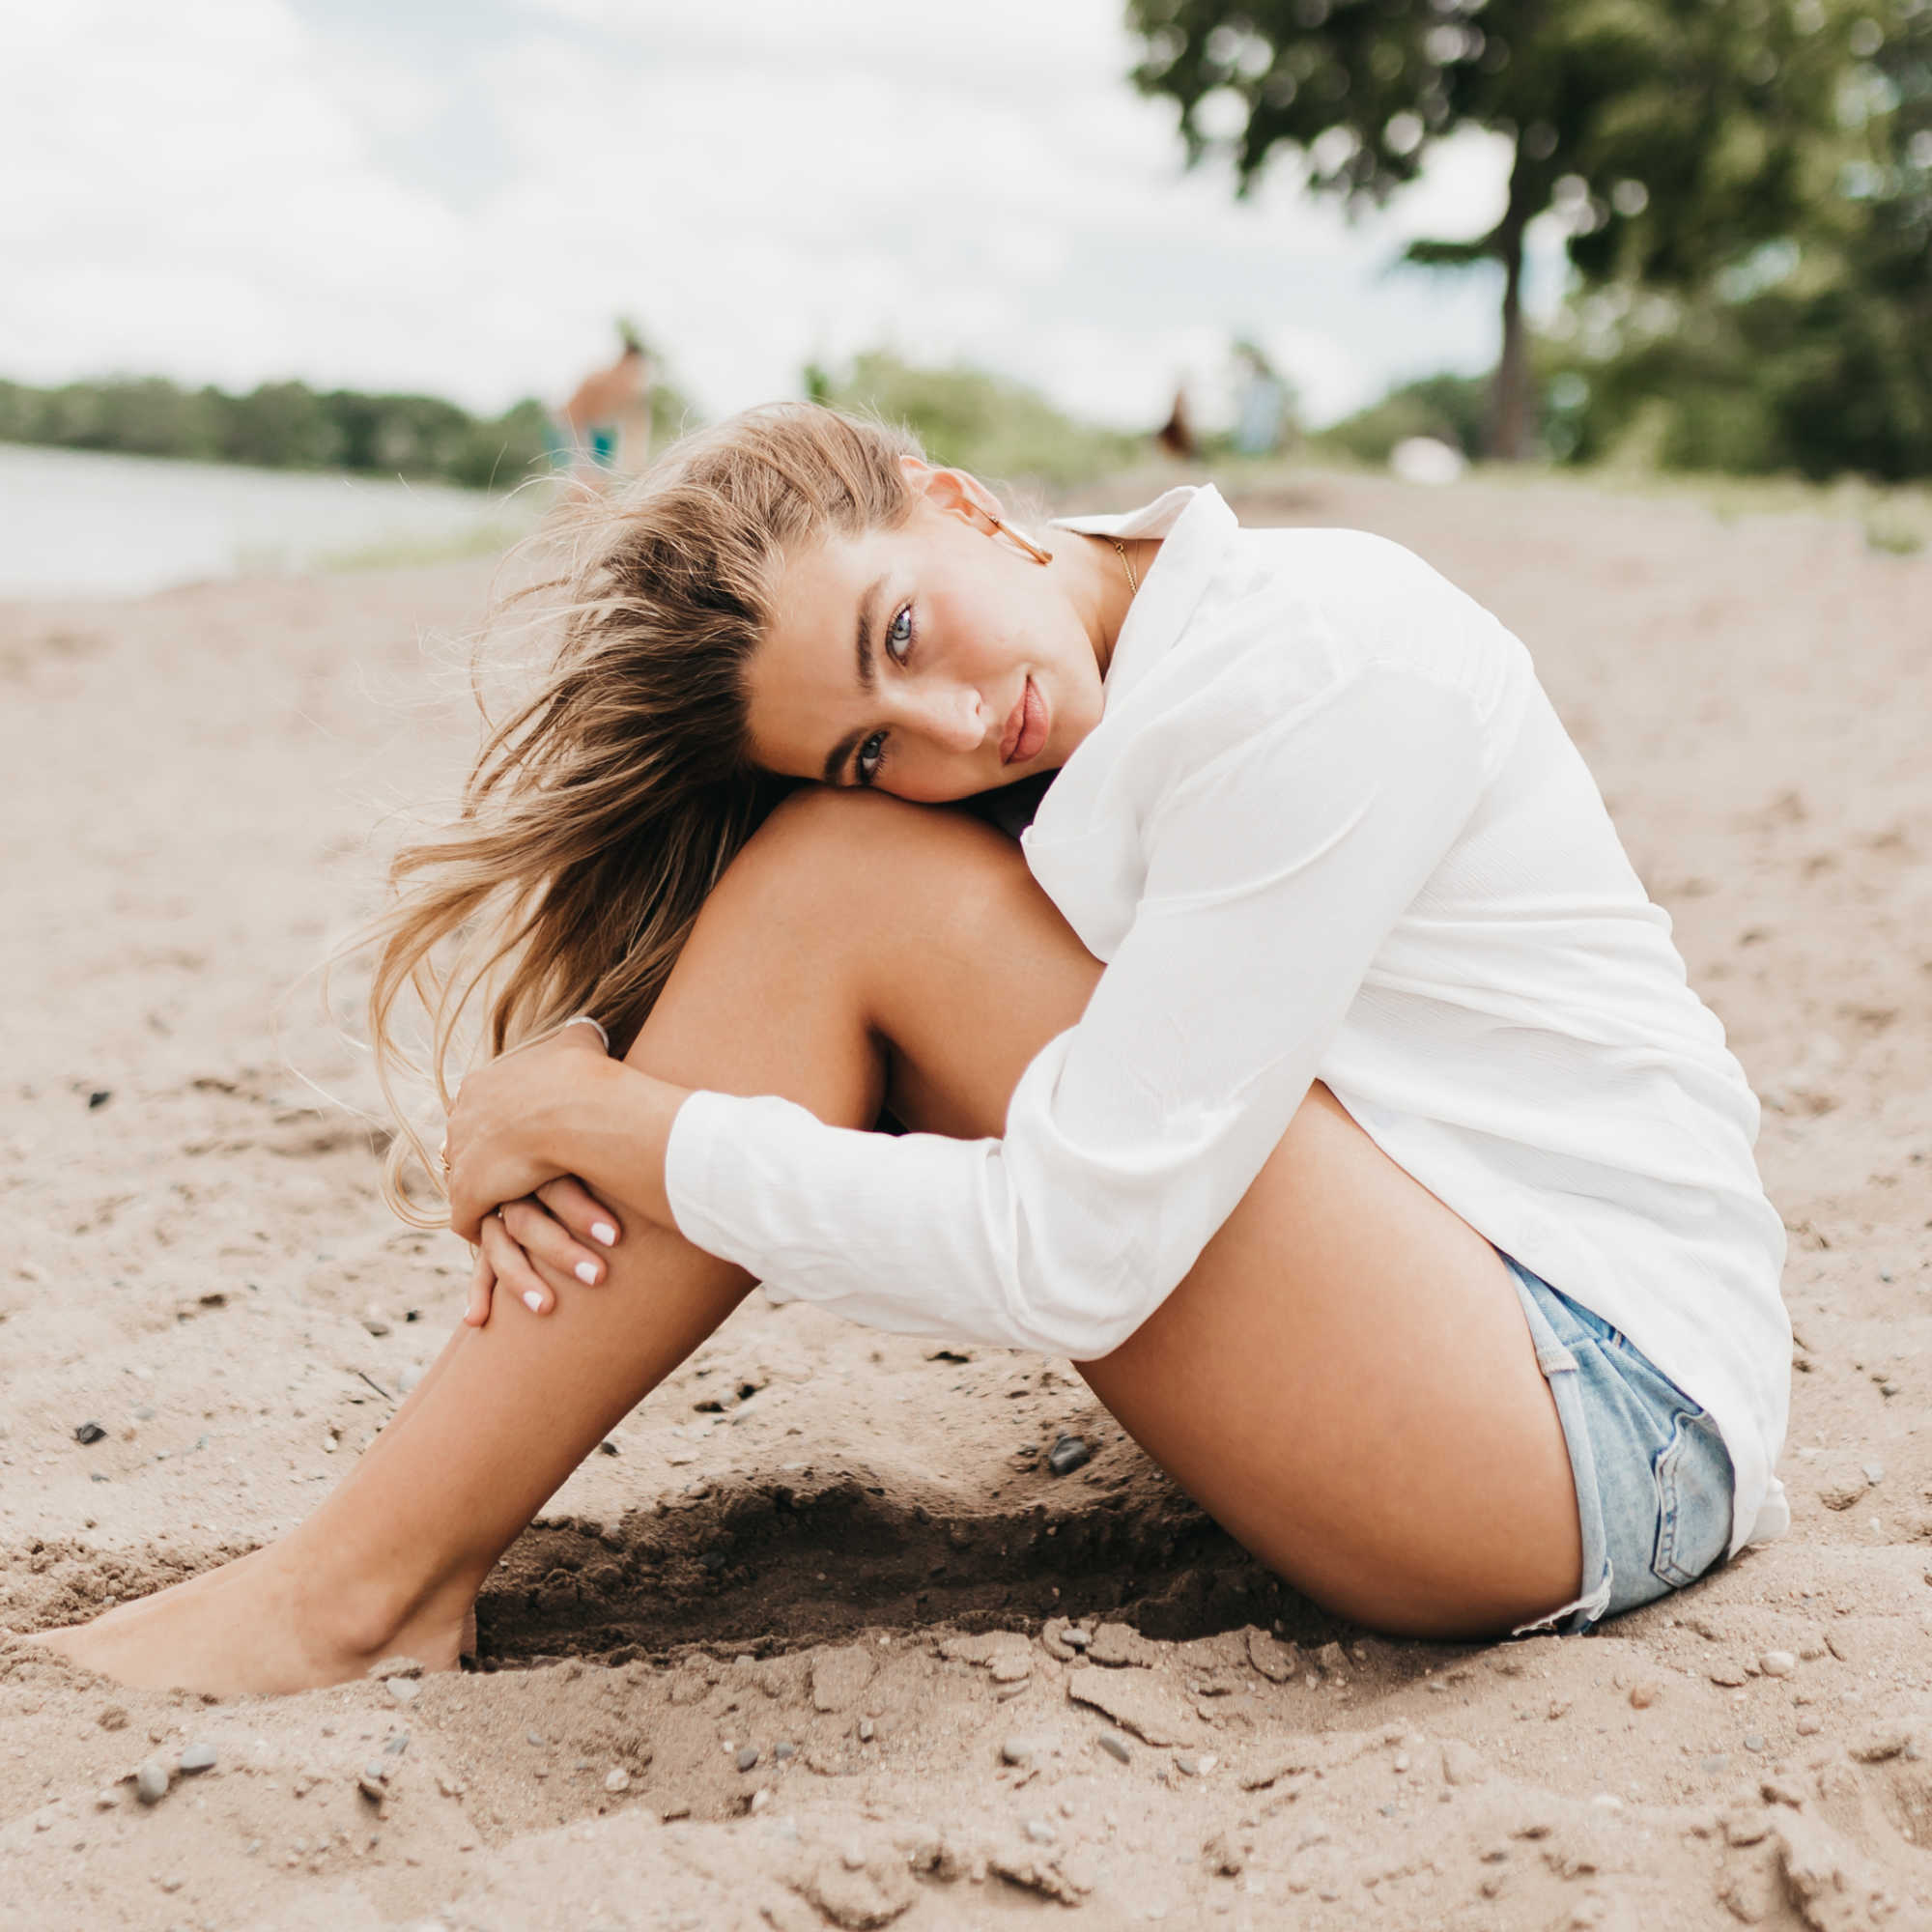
(1026, 728)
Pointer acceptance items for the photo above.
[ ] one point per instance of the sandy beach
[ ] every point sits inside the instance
(820, 1638)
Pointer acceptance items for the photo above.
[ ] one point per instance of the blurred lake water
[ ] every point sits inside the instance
(77, 522)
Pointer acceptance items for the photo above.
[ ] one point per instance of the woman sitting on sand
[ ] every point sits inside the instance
(1313, 1071)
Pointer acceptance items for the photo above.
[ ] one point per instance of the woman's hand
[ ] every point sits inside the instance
(535, 1245)
(509, 1122)
(536, 1141)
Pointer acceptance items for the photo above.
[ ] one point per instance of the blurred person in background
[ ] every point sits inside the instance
(1176, 436)
(603, 430)
(1262, 412)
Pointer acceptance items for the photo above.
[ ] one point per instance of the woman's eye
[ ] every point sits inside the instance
(871, 755)
(898, 634)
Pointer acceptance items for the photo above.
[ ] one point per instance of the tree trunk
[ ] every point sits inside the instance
(1508, 399)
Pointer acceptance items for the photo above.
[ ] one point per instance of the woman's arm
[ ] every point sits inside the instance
(558, 1109)
(1272, 877)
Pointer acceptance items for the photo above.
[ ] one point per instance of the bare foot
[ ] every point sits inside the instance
(260, 1625)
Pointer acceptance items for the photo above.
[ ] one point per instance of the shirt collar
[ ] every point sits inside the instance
(1194, 525)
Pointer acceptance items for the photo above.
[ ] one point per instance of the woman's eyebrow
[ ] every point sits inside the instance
(863, 641)
(836, 759)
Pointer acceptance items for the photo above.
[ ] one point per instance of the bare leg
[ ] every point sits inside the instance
(1344, 1378)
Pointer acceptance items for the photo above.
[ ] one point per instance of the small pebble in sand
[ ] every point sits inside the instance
(89, 1432)
(617, 1780)
(1018, 1751)
(867, 1730)
(748, 1758)
(106, 1798)
(1778, 1663)
(1807, 1726)
(1068, 1454)
(1041, 1832)
(199, 1757)
(784, 1751)
(1224, 1857)
(404, 1689)
(1115, 1747)
(114, 1718)
(1753, 1741)
(1881, 1746)
(151, 1780)
(1646, 1693)
(1874, 1472)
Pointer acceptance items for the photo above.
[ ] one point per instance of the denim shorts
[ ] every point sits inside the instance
(1653, 1476)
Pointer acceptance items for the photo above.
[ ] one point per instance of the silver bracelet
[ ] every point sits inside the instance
(584, 1019)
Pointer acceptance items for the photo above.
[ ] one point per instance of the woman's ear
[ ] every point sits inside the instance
(954, 491)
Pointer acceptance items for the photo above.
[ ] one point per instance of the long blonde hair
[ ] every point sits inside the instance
(602, 813)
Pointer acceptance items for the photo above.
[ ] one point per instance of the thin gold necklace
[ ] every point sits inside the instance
(1127, 562)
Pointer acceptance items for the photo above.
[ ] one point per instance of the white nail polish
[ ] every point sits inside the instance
(533, 1301)
(602, 1230)
(586, 1273)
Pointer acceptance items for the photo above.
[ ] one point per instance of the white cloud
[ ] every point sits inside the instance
(236, 189)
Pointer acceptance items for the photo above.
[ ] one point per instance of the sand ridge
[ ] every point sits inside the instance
(823, 1640)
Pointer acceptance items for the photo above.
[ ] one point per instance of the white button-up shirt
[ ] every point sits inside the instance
(1328, 826)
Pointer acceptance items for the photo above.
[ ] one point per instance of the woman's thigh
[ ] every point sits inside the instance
(1347, 1382)
(1344, 1379)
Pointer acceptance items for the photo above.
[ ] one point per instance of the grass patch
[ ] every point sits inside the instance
(489, 536)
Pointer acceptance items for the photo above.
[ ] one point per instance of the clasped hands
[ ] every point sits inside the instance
(519, 1132)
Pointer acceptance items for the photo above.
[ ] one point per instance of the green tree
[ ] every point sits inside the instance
(278, 426)
(1450, 408)
(989, 424)
(1812, 354)
(1667, 136)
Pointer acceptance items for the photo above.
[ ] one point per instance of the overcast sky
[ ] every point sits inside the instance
(458, 195)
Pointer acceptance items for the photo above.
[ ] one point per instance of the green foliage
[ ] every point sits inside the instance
(984, 423)
(1714, 108)
(1812, 355)
(1668, 136)
(281, 426)
(1453, 408)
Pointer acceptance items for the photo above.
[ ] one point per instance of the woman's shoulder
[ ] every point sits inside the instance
(1305, 608)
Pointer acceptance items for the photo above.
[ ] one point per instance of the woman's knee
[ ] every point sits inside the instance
(862, 863)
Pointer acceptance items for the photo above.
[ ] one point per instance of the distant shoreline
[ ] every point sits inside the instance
(110, 524)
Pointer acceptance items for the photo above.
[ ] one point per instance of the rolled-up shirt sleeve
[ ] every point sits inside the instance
(1273, 873)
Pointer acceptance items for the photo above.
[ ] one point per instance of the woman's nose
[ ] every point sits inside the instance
(953, 716)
